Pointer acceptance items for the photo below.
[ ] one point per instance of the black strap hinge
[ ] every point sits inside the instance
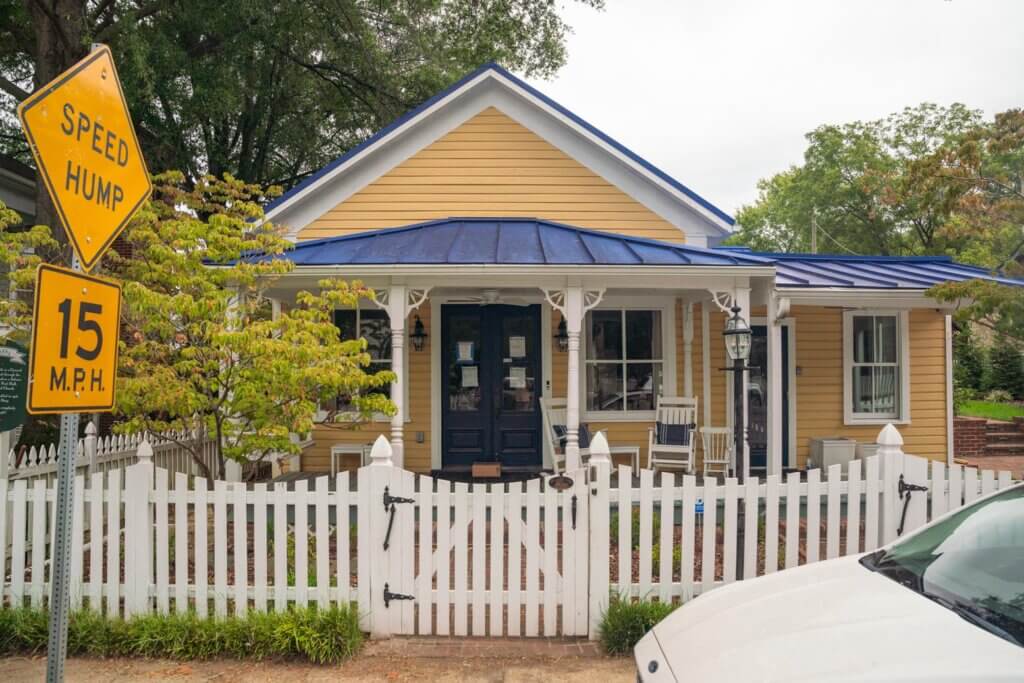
(389, 596)
(902, 487)
(390, 500)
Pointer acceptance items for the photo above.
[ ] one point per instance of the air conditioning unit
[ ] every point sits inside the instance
(831, 450)
(866, 450)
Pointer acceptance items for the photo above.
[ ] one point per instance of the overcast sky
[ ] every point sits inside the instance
(719, 93)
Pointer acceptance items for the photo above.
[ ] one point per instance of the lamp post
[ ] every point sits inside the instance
(737, 344)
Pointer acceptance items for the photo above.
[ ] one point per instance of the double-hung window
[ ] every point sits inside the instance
(624, 360)
(374, 326)
(875, 355)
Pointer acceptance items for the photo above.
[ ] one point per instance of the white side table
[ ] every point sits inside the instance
(340, 449)
(632, 451)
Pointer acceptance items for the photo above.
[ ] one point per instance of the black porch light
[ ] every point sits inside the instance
(562, 336)
(737, 336)
(419, 334)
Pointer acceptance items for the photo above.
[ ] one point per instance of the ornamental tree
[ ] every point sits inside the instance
(201, 351)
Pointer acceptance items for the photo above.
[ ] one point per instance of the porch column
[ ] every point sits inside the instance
(574, 325)
(688, 349)
(397, 318)
(774, 374)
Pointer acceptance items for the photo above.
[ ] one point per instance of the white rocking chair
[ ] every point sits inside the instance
(717, 445)
(673, 414)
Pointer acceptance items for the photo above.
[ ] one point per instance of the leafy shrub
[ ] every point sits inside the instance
(961, 396)
(1007, 370)
(999, 396)
(969, 360)
(624, 623)
(321, 636)
(613, 528)
(677, 557)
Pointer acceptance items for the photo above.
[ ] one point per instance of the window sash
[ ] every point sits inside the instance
(875, 386)
(625, 361)
(379, 360)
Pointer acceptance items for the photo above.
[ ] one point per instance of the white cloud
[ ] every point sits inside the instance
(720, 93)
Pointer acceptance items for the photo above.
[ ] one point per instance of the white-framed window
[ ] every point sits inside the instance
(374, 325)
(627, 360)
(876, 367)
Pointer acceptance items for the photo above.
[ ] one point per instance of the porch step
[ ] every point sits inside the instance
(1003, 437)
(1005, 448)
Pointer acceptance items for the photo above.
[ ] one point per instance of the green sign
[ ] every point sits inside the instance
(13, 384)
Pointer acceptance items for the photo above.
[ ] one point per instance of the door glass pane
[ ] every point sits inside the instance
(604, 335)
(863, 339)
(464, 364)
(643, 335)
(885, 332)
(604, 386)
(518, 376)
(862, 390)
(885, 389)
(643, 384)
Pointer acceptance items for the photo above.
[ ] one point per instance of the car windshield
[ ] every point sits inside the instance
(972, 563)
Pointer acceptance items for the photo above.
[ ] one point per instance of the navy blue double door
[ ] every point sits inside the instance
(491, 368)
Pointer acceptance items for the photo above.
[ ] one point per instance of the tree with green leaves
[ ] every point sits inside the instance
(267, 91)
(969, 369)
(201, 352)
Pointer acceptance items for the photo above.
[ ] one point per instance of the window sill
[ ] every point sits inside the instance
(619, 416)
(878, 421)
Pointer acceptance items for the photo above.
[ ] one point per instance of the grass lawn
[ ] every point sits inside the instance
(991, 410)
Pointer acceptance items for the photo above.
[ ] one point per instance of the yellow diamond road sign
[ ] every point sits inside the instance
(85, 147)
(73, 357)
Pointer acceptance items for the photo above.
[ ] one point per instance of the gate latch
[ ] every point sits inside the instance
(389, 505)
(903, 487)
(389, 596)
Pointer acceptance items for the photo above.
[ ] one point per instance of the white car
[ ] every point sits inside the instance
(945, 603)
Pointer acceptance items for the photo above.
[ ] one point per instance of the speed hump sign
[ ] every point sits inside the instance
(73, 360)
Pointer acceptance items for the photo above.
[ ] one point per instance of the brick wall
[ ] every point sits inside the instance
(969, 437)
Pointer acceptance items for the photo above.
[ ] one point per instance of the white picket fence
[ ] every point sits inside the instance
(424, 556)
(101, 454)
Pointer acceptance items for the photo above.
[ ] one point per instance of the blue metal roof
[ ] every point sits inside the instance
(508, 241)
(869, 272)
(535, 93)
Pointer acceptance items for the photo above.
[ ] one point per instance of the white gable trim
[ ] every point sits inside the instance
(491, 89)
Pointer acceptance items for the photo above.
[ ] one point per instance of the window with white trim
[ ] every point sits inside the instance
(625, 362)
(875, 366)
(374, 326)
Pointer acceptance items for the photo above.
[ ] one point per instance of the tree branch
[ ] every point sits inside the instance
(13, 89)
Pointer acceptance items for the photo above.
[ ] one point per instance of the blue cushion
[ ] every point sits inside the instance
(673, 435)
(562, 435)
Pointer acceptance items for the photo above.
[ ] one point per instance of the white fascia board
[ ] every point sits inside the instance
(490, 89)
(862, 298)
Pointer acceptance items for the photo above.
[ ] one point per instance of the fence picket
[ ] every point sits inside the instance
(425, 577)
(18, 528)
(281, 547)
(970, 485)
(240, 552)
(955, 496)
(687, 547)
(750, 521)
(532, 555)
(871, 502)
(813, 515)
(323, 541)
(460, 541)
(709, 535)
(220, 548)
(343, 546)
(497, 496)
(259, 547)
(113, 542)
(444, 556)
(832, 506)
(853, 482)
(515, 555)
(625, 520)
(407, 547)
(729, 530)
(163, 596)
(1005, 479)
(937, 490)
(301, 543)
(646, 530)
(39, 533)
(95, 542)
(665, 540)
(988, 482)
(364, 534)
(181, 534)
(771, 524)
(202, 547)
(479, 552)
(567, 568)
(792, 519)
(551, 587)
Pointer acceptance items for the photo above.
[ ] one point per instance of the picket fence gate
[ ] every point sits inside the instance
(422, 556)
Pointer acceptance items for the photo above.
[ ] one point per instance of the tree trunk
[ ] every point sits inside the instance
(59, 28)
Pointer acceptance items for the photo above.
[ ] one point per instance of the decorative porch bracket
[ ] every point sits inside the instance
(399, 301)
(573, 303)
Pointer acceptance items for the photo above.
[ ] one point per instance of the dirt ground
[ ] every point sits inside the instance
(369, 666)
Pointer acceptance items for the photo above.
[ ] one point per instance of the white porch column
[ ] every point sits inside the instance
(688, 349)
(774, 374)
(574, 325)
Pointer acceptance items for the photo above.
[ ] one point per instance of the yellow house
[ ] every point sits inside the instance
(518, 254)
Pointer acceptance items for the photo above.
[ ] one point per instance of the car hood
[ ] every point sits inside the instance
(829, 621)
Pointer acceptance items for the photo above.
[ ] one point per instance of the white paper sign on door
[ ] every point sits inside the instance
(470, 378)
(517, 347)
(517, 378)
(464, 352)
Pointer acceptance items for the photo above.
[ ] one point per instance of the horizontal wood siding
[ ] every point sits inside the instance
(492, 166)
(317, 458)
(819, 384)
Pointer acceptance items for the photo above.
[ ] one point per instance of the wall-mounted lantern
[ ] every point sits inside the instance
(419, 334)
(562, 336)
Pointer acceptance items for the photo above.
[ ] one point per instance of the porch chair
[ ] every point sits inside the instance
(716, 443)
(670, 441)
(553, 418)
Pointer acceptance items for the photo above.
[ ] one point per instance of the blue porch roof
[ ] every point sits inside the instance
(506, 241)
(869, 272)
